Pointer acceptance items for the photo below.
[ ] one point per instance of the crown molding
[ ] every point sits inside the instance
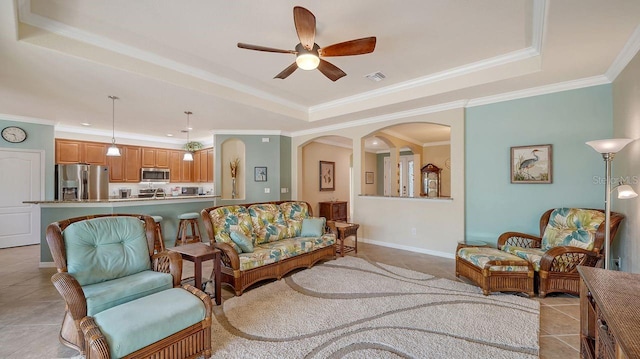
(249, 132)
(540, 90)
(538, 24)
(332, 143)
(26, 16)
(629, 51)
(26, 119)
(384, 118)
(429, 79)
(439, 143)
(401, 136)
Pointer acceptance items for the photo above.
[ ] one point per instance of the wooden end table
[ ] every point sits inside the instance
(345, 230)
(198, 253)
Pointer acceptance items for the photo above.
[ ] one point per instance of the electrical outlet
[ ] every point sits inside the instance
(617, 262)
(267, 190)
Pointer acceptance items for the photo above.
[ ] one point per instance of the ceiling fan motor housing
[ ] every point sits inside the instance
(307, 59)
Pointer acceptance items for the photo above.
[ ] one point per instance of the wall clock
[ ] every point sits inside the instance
(14, 134)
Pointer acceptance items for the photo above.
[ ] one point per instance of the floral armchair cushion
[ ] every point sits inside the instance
(574, 227)
(231, 218)
(294, 213)
(268, 223)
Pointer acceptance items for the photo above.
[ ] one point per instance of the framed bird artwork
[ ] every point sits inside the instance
(531, 164)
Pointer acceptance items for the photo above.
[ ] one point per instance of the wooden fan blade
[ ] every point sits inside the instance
(264, 48)
(286, 72)
(353, 47)
(305, 23)
(330, 70)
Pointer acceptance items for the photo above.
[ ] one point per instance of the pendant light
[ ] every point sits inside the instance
(188, 156)
(113, 149)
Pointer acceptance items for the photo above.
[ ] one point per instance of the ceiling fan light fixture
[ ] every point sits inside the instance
(307, 59)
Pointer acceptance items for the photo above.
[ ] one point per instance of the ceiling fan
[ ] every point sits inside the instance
(308, 53)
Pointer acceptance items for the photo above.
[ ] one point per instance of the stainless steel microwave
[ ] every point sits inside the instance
(155, 175)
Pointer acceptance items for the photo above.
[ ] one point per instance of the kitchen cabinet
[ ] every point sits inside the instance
(72, 151)
(125, 168)
(204, 166)
(154, 157)
(210, 165)
(334, 210)
(197, 159)
(181, 171)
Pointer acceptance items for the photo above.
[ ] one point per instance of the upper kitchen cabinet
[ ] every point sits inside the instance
(72, 151)
(203, 165)
(155, 157)
(181, 171)
(210, 165)
(125, 168)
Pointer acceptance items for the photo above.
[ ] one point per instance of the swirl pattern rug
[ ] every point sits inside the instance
(351, 308)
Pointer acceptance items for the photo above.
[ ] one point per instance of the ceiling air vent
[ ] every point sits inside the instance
(376, 76)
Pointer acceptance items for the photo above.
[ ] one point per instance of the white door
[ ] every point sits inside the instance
(20, 180)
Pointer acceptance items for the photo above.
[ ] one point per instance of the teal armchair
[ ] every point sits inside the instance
(104, 261)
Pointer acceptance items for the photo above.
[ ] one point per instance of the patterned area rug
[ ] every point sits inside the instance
(350, 308)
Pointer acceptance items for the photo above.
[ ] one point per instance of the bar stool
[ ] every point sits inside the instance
(188, 220)
(159, 244)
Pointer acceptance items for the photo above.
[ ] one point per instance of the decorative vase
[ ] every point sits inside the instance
(233, 187)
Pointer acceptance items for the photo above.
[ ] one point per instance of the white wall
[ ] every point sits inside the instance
(438, 223)
(626, 123)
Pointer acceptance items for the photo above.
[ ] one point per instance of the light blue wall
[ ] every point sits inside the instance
(258, 154)
(39, 137)
(566, 120)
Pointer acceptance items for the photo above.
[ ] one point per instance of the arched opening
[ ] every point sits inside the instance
(396, 160)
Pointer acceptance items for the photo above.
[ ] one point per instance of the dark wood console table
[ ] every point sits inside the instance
(333, 211)
(609, 314)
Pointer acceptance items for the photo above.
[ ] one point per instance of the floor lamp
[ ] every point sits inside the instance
(608, 149)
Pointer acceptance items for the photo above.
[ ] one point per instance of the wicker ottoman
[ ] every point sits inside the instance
(494, 270)
(171, 324)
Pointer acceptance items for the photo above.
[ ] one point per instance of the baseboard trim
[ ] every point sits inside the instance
(409, 248)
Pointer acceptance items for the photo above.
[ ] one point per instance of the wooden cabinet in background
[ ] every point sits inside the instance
(154, 157)
(72, 151)
(125, 168)
(210, 164)
(181, 171)
(197, 159)
(334, 211)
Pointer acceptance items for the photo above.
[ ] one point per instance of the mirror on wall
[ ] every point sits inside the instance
(394, 158)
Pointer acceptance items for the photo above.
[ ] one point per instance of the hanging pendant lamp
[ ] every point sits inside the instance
(113, 150)
(188, 156)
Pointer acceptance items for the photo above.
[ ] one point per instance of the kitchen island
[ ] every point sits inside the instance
(168, 207)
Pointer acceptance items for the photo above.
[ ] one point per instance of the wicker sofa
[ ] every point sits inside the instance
(279, 234)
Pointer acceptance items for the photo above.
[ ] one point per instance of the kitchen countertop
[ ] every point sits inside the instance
(133, 200)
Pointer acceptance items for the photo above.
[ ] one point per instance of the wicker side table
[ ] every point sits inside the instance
(346, 230)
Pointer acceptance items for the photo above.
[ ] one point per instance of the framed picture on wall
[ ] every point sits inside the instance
(327, 176)
(260, 174)
(368, 177)
(531, 164)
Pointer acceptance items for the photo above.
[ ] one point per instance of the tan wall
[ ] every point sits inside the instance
(626, 123)
(432, 226)
(312, 154)
(370, 162)
(437, 155)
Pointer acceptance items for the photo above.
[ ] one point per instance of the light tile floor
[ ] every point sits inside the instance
(31, 309)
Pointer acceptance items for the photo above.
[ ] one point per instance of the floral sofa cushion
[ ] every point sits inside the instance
(259, 257)
(231, 218)
(291, 247)
(532, 255)
(572, 227)
(479, 256)
(268, 223)
(294, 213)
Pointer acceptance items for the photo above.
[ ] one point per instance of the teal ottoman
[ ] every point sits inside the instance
(173, 323)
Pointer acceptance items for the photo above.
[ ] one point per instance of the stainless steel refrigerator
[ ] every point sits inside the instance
(77, 182)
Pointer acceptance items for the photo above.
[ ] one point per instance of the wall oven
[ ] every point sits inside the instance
(155, 175)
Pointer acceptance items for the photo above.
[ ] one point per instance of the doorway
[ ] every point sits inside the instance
(20, 180)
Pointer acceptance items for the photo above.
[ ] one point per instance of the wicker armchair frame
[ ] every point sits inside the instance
(558, 266)
(76, 304)
(239, 280)
(191, 342)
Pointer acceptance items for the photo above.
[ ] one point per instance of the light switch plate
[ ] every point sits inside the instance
(267, 190)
